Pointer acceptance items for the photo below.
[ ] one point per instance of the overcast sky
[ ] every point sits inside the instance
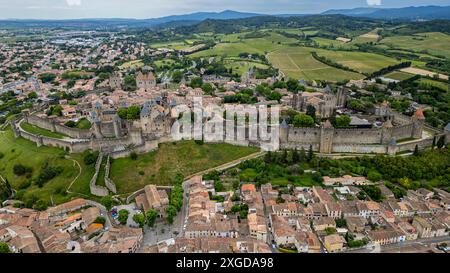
(65, 9)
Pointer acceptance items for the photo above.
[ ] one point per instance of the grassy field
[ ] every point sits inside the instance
(40, 131)
(359, 61)
(161, 166)
(132, 64)
(22, 151)
(370, 37)
(269, 43)
(438, 84)
(297, 62)
(398, 75)
(330, 43)
(434, 43)
(84, 124)
(242, 66)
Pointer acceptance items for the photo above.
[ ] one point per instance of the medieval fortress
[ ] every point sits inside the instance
(115, 137)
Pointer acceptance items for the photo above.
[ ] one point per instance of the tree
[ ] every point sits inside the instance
(434, 143)
(196, 82)
(310, 154)
(4, 248)
(341, 223)
(139, 219)
(47, 77)
(21, 170)
(171, 212)
(107, 201)
(32, 95)
(133, 156)
(41, 205)
(311, 111)
(207, 88)
(123, 216)
(295, 156)
(151, 217)
(343, 121)
(235, 198)
(441, 142)
(90, 158)
(71, 124)
(130, 83)
(100, 220)
(374, 176)
(302, 120)
(416, 150)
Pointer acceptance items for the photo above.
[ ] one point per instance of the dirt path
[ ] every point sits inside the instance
(75, 163)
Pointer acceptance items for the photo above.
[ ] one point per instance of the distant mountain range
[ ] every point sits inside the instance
(408, 13)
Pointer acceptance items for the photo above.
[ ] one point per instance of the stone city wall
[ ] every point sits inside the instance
(108, 182)
(95, 189)
(53, 126)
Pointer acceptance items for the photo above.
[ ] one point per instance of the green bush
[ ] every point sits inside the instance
(21, 170)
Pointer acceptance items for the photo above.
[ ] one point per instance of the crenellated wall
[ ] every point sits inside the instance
(52, 125)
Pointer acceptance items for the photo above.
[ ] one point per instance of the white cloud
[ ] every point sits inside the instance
(73, 2)
(374, 2)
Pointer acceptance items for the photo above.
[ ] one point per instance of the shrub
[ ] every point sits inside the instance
(41, 205)
(123, 216)
(47, 174)
(71, 124)
(133, 156)
(100, 220)
(24, 185)
(20, 170)
(90, 158)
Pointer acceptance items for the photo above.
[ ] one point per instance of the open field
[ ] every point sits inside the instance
(22, 151)
(372, 36)
(161, 166)
(359, 61)
(269, 43)
(423, 72)
(242, 66)
(297, 62)
(438, 84)
(330, 43)
(132, 64)
(398, 75)
(434, 43)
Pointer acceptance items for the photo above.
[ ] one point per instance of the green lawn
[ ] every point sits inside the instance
(40, 131)
(84, 124)
(22, 151)
(161, 166)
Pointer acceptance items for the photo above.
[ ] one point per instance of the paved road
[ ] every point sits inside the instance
(425, 242)
(103, 212)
